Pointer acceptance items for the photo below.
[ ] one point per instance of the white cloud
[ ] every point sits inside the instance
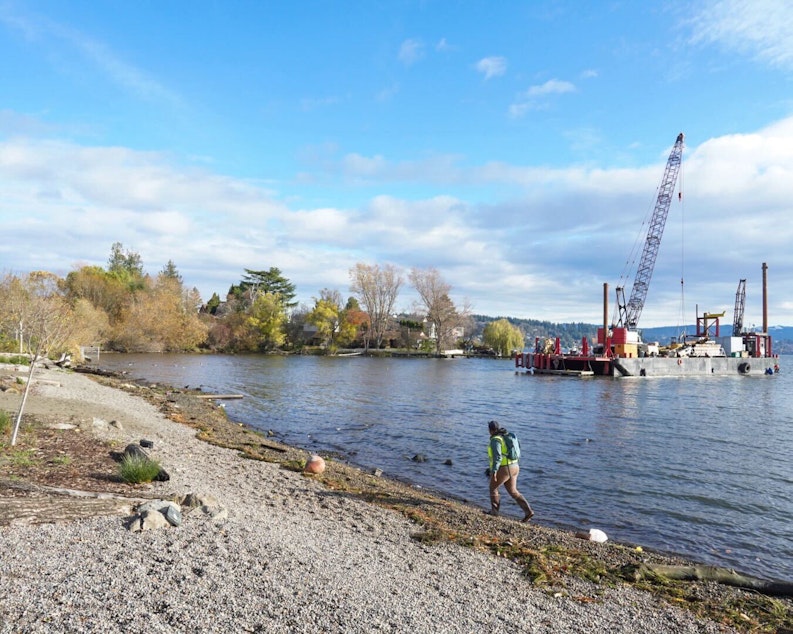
(443, 46)
(551, 87)
(132, 79)
(759, 28)
(410, 52)
(533, 98)
(546, 229)
(492, 66)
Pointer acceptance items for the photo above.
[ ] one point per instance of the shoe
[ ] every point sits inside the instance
(528, 516)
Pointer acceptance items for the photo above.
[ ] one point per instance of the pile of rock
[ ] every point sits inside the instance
(166, 513)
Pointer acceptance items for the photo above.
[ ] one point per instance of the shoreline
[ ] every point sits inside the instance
(402, 558)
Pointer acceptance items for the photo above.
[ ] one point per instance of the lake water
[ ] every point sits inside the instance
(697, 466)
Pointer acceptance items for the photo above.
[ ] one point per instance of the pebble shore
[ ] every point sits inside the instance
(292, 556)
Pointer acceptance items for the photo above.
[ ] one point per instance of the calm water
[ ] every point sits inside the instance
(700, 467)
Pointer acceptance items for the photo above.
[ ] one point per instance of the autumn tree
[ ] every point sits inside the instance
(377, 290)
(35, 306)
(352, 321)
(441, 313)
(163, 317)
(503, 337)
(104, 291)
(91, 325)
(326, 316)
(268, 318)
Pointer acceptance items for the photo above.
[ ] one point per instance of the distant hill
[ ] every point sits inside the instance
(571, 334)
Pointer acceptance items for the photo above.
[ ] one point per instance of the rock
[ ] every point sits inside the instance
(134, 451)
(419, 457)
(448, 462)
(217, 513)
(150, 520)
(99, 423)
(197, 500)
(148, 444)
(170, 510)
(315, 465)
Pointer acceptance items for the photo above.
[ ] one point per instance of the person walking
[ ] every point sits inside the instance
(504, 471)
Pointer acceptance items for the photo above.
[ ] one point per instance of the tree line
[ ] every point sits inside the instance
(120, 307)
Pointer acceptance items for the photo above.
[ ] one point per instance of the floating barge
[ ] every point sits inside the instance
(620, 352)
(667, 364)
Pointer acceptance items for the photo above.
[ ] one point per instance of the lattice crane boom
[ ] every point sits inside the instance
(630, 312)
(740, 305)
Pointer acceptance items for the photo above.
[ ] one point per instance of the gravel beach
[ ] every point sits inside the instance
(291, 555)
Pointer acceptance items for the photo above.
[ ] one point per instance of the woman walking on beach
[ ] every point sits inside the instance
(503, 470)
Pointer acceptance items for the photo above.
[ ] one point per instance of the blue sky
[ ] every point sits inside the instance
(516, 147)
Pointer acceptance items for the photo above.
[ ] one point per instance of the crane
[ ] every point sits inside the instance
(740, 304)
(630, 312)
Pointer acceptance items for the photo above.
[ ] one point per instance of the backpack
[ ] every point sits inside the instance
(513, 445)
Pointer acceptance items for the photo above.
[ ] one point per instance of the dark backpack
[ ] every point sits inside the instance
(513, 445)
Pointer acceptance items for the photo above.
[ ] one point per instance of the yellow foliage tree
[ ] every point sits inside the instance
(503, 337)
(268, 319)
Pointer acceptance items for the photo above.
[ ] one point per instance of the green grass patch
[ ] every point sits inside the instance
(14, 359)
(19, 457)
(137, 469)
(5, 423)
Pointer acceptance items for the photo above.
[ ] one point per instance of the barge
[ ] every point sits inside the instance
(620, 351)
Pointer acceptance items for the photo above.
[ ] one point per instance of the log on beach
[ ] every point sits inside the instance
(709, 573)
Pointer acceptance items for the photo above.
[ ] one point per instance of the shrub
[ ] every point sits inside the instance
(137, 469)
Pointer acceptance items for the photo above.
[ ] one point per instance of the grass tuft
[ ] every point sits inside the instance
(136, 469)
(5, 423)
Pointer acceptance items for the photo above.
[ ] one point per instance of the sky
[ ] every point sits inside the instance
(515, 147)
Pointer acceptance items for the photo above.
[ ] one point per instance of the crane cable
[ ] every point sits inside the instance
(681, 327)
(628, 272)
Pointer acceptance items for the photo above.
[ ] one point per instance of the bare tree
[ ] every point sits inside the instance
(377, 290)
(441, 313)
(45, 318)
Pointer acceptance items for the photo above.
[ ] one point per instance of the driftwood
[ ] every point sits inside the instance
(54, 504)
(709, 573)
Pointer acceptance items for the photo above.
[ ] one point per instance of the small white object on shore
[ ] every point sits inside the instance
(594, 535)
(597, 535)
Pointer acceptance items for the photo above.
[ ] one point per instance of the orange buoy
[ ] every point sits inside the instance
(315, 464)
